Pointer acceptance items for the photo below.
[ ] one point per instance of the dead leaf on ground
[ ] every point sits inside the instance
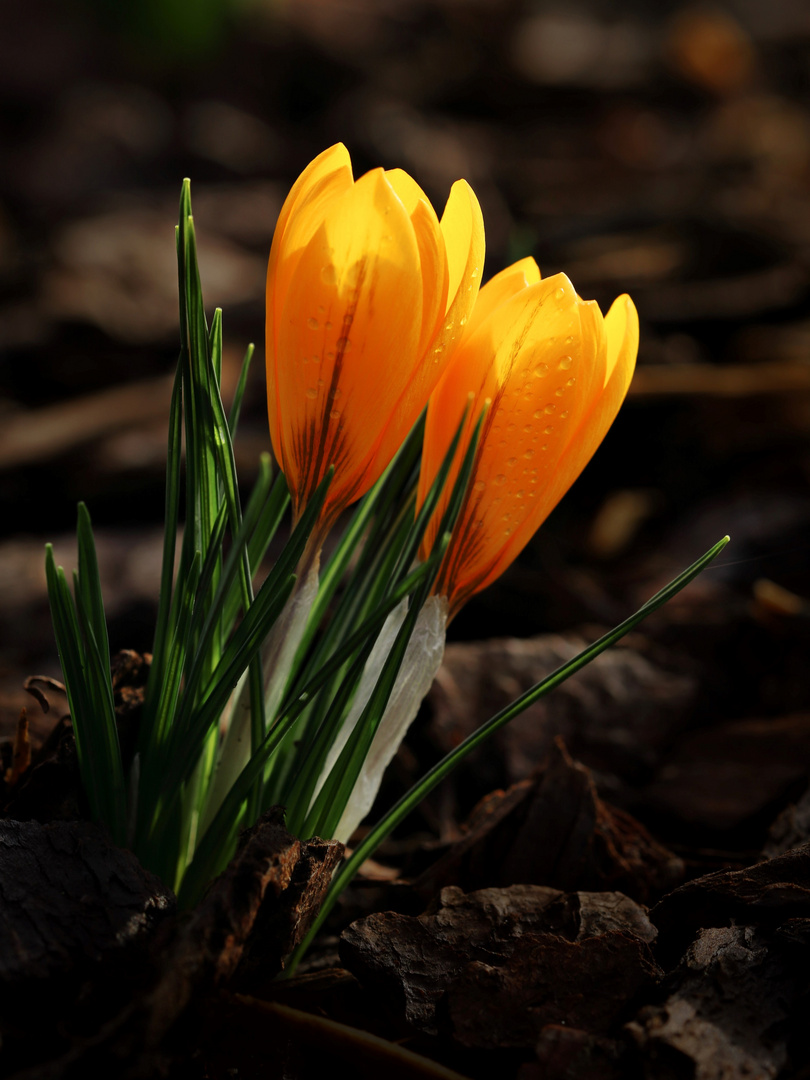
(78, 916)
(732, 1005)
(768, 894)
(565, 1053)
(524, 956)
(553, 830)
(80, 902)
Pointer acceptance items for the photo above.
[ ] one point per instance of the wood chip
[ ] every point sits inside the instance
(523, 957)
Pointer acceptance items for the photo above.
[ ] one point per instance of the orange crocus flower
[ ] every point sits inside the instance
(367, 296)
(553, 372)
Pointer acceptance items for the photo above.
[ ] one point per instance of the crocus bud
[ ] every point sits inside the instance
(552, 373)
(368, 294)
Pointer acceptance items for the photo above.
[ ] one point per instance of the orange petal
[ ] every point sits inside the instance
(462, 228)
(619, 344)
(501, 288)
(557, 375)
(432, 256)
(328, 174)
(567, 450)
(348, 337)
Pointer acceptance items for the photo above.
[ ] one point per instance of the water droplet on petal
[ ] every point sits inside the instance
(548, 430)
(571, 382)
(328, 275)
(312, 323)
(559, 293)
(511, 461)
(343, 344)
(565, 363)
(529, 454)
(479, 485)
(564, 415)
(328, 325)
(334, 414)
(500, 479)
(540, 371)
(312, 393)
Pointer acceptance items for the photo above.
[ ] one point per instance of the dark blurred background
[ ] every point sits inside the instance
(662, 150)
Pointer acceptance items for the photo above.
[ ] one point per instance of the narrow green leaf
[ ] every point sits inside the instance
(263, 516)
(95, 734)
(100, 729)
(439, 771)
(239, 652)
(215, 345)
(179, 766)
(236, 404)
(90, 582)
(170, 688)
(328, 808)
(163, 629)
(210, 849)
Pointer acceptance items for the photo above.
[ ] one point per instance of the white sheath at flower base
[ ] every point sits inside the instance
(277, 660)
(420, 664)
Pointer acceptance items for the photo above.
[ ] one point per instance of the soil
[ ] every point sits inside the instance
(618, 885)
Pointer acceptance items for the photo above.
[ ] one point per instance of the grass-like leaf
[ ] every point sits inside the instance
(236, 404)
(434, 776)
(89, 691)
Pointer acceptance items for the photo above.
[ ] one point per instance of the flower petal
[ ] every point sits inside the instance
(501, 288)
(556, 373)
(569, 447)
(432, 257)
(348, 336)
(462, 228)
(462, 225)
(329, 174)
